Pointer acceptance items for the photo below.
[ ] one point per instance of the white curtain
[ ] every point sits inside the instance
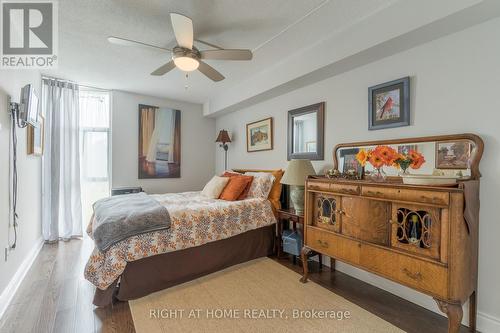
(61, 197)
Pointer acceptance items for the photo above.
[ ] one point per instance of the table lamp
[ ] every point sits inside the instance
(295, 175)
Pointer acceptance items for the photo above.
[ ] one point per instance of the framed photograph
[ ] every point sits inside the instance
(389, 104)
(159, 142)
(405, 149)
(260, 135)
(350, 162)
(35, 137)
(453, 155)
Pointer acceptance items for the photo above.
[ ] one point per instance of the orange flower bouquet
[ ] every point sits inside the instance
(413, 160)
(382, 156)
(378, 157)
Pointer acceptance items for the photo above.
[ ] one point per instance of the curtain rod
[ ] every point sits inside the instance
(80, 85)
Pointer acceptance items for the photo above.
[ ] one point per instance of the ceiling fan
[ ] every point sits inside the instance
(185, 55)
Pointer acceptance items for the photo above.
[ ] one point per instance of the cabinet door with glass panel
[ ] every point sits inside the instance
(326, 211)
(417, 229)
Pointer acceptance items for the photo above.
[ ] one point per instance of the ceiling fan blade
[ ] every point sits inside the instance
(227, 54)
(130, 42)
(164, 69)
(183, 30)
(210, 72)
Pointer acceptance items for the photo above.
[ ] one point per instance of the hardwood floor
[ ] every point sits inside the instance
(54, 297)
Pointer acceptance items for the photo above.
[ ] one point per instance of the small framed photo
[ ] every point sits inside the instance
(260, 135)
(389, 104)
(35, 137)
(350, 162)
(453, 155)
(405, 149)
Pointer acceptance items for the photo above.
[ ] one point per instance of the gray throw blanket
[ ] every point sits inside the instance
(123, 216)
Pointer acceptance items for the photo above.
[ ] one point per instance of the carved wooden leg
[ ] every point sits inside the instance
(304, 255)
(454, 313)
(472, 311)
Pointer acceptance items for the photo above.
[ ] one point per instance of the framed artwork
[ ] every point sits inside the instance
(260, 135)
(453, 154)
(35, 137)
(159, 142)
(306, 132)
(350, 162)
(389, 104)
(405, 149)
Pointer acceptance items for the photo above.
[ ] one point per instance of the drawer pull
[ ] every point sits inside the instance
(322, 243)
(414, 276)
(374, 193)
(424, 198)
(348, 191)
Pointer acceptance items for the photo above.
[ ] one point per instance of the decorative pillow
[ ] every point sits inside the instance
(214, 187)
(275, 195)
(235, 187)
(261, 185)
(243, 194)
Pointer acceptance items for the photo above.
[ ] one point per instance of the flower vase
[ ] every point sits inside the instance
(404, 172)
(379, 175)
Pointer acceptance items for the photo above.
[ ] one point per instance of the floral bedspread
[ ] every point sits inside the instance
(195, 220)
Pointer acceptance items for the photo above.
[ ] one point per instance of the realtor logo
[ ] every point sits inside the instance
(29, 34)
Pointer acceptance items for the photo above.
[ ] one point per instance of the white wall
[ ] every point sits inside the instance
(455, 85)
(29, 173)
(197, 144)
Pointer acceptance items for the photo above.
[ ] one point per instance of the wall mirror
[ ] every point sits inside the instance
(447, 155)
(306, 132)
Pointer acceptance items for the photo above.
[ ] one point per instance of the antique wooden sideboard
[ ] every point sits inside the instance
(423, 237)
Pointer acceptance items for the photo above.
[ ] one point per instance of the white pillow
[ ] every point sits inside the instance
(214, 187)
(261, 185)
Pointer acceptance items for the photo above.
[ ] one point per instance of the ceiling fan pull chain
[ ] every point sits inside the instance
(186, 86)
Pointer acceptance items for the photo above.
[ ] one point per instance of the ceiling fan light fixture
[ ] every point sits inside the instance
(186, 64)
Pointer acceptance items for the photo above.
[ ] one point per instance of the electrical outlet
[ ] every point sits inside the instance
(6, 253)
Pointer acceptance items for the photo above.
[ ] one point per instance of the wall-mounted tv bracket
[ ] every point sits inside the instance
(14, 110)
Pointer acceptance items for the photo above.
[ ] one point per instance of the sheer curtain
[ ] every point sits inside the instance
(61, 202)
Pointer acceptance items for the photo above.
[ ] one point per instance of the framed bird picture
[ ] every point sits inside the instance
(389, 104)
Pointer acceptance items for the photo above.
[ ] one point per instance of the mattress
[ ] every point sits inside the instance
(195, 220)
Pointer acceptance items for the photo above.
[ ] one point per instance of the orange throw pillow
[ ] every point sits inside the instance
(243, 194)
(235, 187)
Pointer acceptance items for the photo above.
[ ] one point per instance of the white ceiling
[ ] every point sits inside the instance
(274, 29)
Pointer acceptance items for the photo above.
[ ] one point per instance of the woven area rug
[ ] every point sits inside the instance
(257, 296)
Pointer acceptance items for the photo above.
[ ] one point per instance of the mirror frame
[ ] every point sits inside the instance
(319, 108)
(475, 174)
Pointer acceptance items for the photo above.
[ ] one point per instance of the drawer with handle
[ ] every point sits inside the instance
(332, 245)
(412, 272)
(318, 186)
(344, 189)
(427, 197)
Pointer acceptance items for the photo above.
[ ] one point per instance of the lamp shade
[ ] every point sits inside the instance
(223, 137)
(297, 172)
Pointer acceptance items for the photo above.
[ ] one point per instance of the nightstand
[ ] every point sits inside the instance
(289, 215)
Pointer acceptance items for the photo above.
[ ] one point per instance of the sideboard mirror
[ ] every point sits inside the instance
(447, 155)
(306, 132)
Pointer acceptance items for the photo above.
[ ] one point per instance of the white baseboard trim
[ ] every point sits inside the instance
(487, 323)
(9, 291)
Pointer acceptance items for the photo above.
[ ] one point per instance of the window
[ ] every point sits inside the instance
(94, 148)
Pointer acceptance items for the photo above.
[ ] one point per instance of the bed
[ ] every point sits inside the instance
(206, 235)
